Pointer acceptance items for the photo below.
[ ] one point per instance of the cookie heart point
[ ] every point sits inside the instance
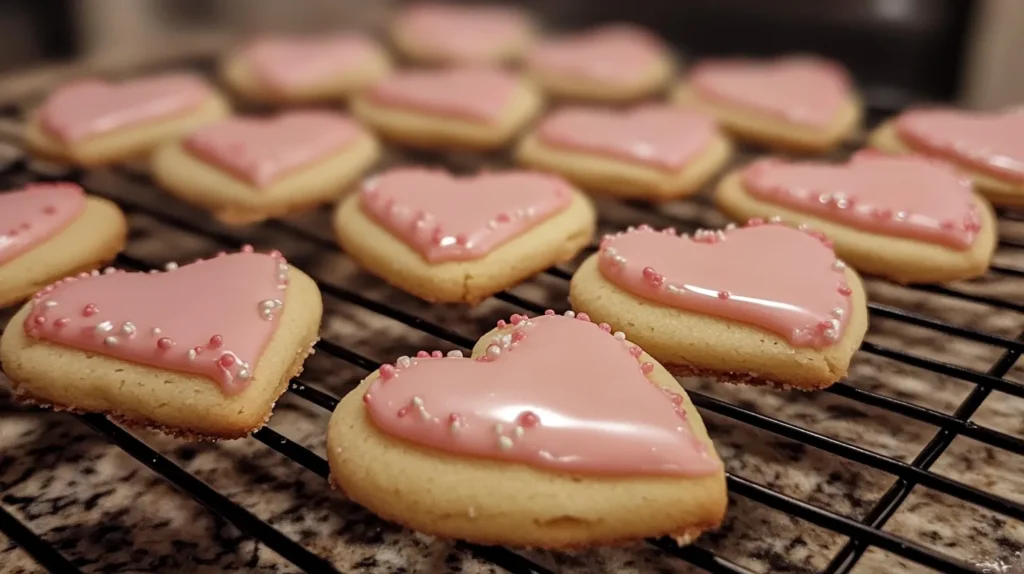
(34, 214)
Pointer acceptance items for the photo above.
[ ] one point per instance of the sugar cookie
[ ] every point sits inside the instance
(614, 63)
(462, 239)
(441, 33)
(906, 218)
(799, 104)
(989, 147)
(761, 305)
(201, 351)
(93, 122)
(474, 108)
(50, 231)
(246, 170)
(649, 152)
(556, 434)
(294, 70)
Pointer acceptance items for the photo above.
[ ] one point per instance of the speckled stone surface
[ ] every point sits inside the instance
(106, 512)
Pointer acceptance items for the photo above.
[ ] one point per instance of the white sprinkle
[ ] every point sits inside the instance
(830, 334)
(492, 224)
(673, 289)
(837, 312)
(191, 354)
(570, 314)
(528, 323)
(455, 354)
(493, 351)
(49, 304)
(834, 323)
(417, 401)
(128, 328)
(838, 265)
(730, 227)
(506, 340)
(505, 443)
(620, 335)
(824, 198)
(403, 362)
(110, 341)
(456, 426)
(620, 260)
(499, 428)
(243, 374)
(775, 219)
(424, 414)
(156, 330)
(109, 270)
(519, 431)
(171, 266)
(105, 327)
(95, 272)
(900, 215)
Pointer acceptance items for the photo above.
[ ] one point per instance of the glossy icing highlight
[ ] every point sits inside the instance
(903, 196)
(88, 108)
(261, 151)
(448, 218)
(991, 143)
(773, 277)
(614, 53)
(806, 91)
(32, 215)
(658, 136)
(284, 64)
(212, 318)
(553, 392)
(476, 94)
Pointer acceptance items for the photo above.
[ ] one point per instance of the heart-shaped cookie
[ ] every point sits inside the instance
(447, 218)
(454, 33)
(91, 107)
(476, 94)
(286, 64)
(763, 303)
(658, 136)
(202, 350)
(616, 54)
(260, 151)
(800, 90)
(904, 196)
(36, 213)
(989, 142)
(545, 401)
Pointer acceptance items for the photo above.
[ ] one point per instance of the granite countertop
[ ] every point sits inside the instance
(107, 512)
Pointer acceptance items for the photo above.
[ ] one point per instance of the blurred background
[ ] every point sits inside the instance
(899, 50)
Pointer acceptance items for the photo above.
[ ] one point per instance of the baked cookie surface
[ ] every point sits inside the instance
(762, 305)
(439, 33)
(294, 70)
(796, 104)
(908, 219)
(246, 170)
(49, 231)
(462, 108)
(988, 147)
(202, 351)
(94, 122)
(648, 152)
(613, 63)
(515, 457)
(462, 239)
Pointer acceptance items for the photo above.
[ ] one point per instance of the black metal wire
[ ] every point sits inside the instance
(40, 550)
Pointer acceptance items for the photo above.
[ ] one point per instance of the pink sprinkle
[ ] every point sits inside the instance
(89, 310)
(646, 367)
(755, 221)
(549, 312)
(845, 290)
(605, 327)
(49, 210)
(882, 213)
(516, 319)
(652, 276)
(583, 317)
(669, 231)
(62, 322)
(822, 325)
(403, 411)
(503, 218)
(247, 248)
(387, 372)
(39, 320)
(517, 336)
(461, 239)
(422, 354)
(275, 253)
(528, 419)
(502, 324)
(164, 343)
(83, 275)
(436, 354)
(947, 225)
(724, 295)
(367, 398)
(643, 227)
(636, 352)
(216, 341)
(226, 360)
(197, 349)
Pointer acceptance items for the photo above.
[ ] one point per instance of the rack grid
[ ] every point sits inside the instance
(16, 168)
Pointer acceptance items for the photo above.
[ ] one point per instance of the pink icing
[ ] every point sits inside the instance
(211, 318)
(260, 151)
(285, 64)
(445, 218)
(658, 136)
(551, 392)
(992, 143)
(30, 216)
(616, 53)
(801, 90)
(478, 94)
(89, 108)
(774, 277)
(463, 33)
(905, 196)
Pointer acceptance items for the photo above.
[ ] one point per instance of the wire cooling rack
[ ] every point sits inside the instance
(132, 188)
